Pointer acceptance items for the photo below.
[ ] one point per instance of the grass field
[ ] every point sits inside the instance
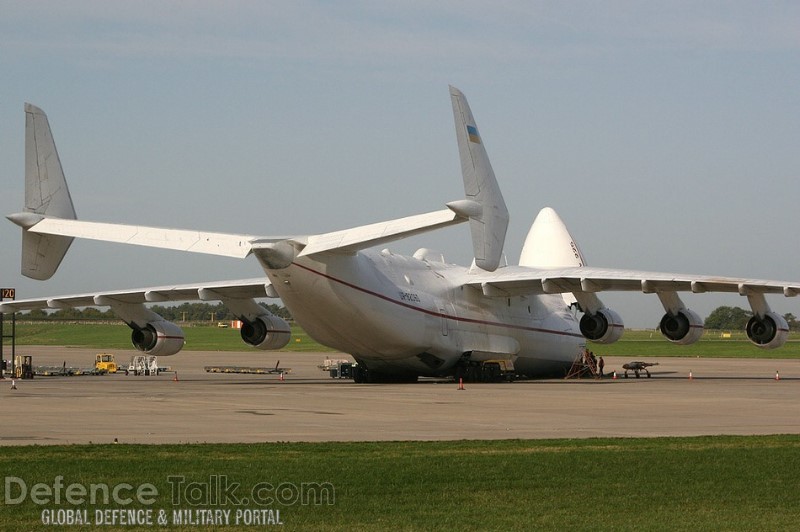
(720, 483)
(706, 483)
(118, 336)
(712, 344)
(634, 343)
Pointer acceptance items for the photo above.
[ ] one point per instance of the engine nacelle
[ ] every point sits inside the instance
(768, 332)
(604, 327)
(266, 332)
(160, 338)
(683, 328)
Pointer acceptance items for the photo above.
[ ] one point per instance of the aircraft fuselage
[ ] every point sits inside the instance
(414, 315)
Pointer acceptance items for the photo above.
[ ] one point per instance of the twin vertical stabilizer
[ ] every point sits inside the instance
(488, 224)
(46, 194)
(47, 199)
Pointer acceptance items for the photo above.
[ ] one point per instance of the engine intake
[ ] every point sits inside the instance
(160, 338)
(603, 327)
(683, 328)
(266, 332)
(768, 332)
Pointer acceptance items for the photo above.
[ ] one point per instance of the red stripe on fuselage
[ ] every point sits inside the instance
(431, 312)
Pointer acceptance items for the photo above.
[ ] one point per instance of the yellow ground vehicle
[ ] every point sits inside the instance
(105, 362)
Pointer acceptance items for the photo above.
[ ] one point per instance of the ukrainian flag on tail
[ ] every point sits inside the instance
(472, 133)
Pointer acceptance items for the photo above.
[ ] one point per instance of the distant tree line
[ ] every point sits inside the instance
(178, 313)
(735, 318)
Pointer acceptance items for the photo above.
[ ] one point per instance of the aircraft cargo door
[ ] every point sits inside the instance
(446, 311)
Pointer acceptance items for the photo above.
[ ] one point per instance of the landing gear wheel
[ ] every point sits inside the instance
(360, 374)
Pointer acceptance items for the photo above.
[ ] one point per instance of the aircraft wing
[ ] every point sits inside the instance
(520, 280)
(238, 289)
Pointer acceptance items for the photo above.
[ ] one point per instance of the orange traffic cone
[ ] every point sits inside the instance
(460, 383)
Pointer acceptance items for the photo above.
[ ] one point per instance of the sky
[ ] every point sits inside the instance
(665, 134)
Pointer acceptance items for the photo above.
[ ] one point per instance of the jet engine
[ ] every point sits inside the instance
(683, 328)
(604, 327)
(160, 338)
(266, 332)
(768, 332)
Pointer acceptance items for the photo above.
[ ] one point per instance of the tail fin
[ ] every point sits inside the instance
(46, 194)
(489, 220)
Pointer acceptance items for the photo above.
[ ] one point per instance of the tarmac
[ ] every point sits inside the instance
(724, 396)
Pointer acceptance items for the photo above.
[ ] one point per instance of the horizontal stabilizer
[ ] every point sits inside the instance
(228, 245)
(366, 236)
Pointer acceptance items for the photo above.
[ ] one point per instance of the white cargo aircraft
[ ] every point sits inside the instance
(400, 317)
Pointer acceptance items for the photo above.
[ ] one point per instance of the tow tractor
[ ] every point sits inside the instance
(105, 362)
